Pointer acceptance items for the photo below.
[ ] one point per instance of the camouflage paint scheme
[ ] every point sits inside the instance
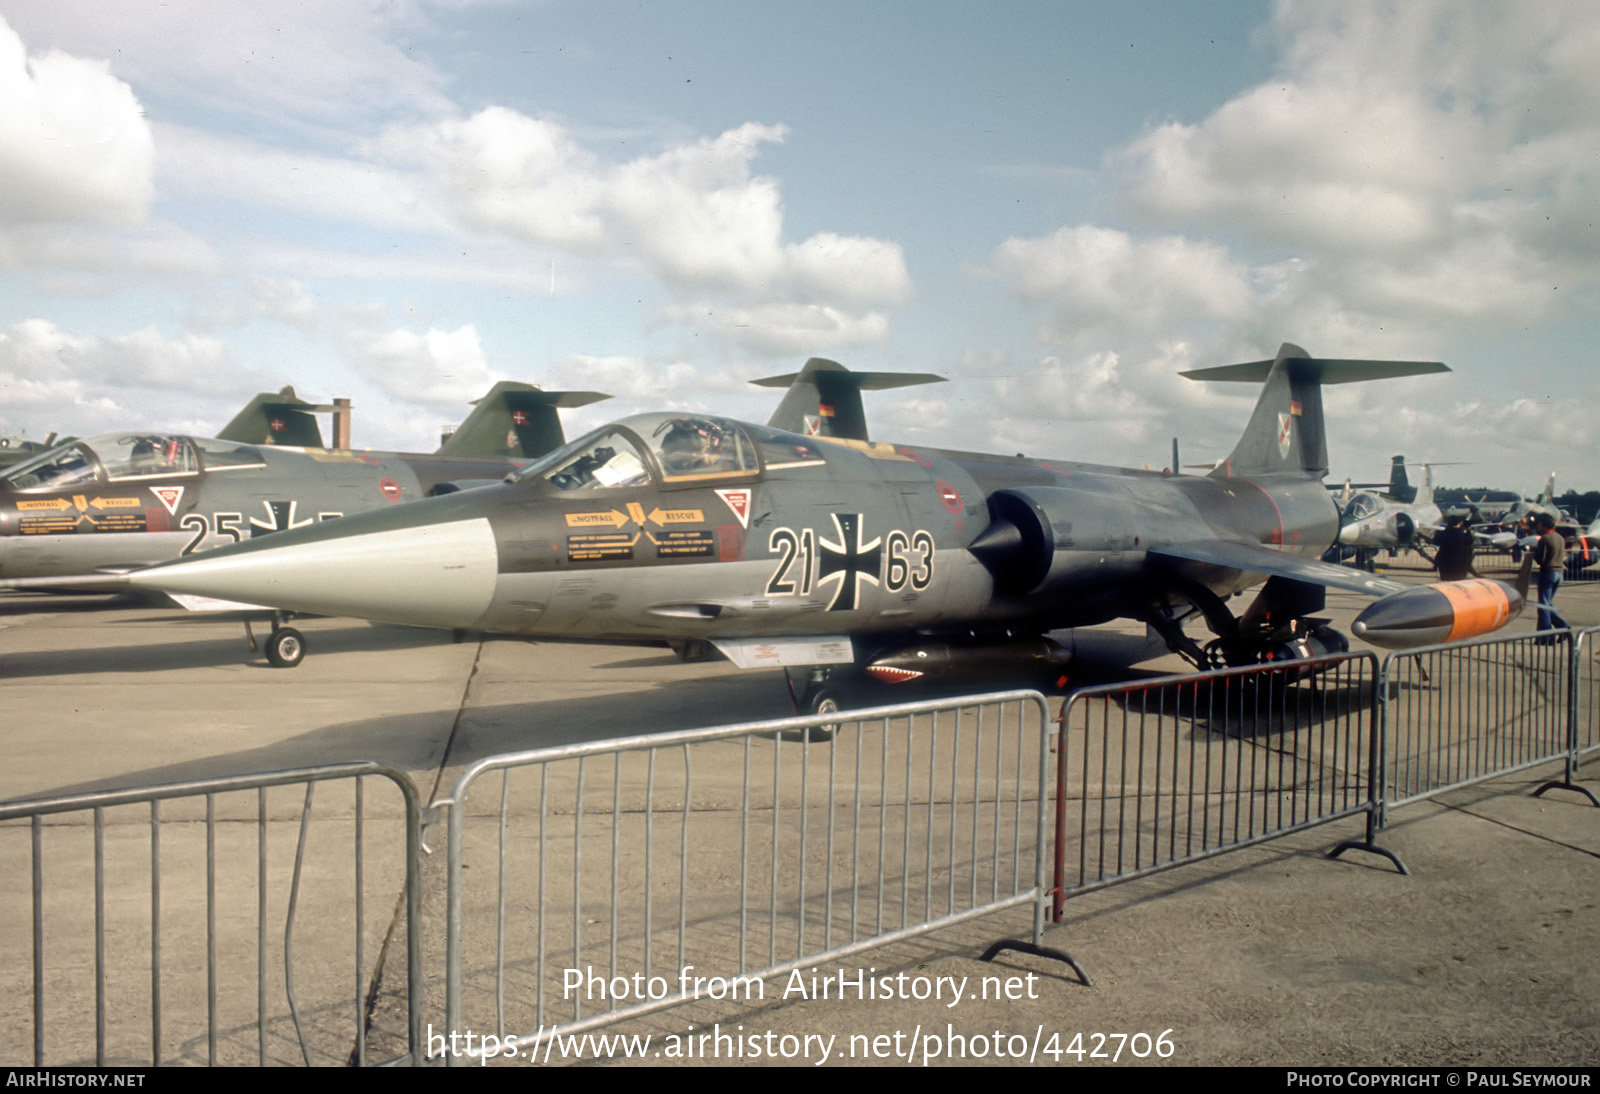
(78, 514)
(782, 549)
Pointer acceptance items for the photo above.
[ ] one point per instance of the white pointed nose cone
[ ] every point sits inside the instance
(439, 575)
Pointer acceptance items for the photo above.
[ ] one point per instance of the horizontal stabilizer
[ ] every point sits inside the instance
(1286, 433)
(824, 398)
(861, 381)
(1323, 370)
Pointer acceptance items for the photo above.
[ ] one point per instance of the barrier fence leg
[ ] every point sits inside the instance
(1570, 774)
(1377, 762)
(1369, 844)
(1054, 893)
(1019, 945)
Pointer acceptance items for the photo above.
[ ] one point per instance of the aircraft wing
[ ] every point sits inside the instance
(117, 582)
(1264, 560)
(95, 582)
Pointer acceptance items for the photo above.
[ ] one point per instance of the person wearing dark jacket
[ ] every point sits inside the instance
(1453, 557)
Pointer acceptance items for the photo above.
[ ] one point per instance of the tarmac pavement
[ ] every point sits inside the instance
(1271, 955)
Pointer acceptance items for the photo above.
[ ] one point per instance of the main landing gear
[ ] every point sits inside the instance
(818, 699)
(1255, 638)
(285, 647)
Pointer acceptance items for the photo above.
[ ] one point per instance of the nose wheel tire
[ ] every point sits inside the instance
(286, 648)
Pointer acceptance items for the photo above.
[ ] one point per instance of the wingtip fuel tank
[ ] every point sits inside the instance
(1447, 612)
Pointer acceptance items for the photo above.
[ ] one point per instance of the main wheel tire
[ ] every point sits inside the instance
(286, 648)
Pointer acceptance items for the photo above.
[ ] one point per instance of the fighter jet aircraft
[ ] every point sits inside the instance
(77, 515)
(1371, 520)
(1529, 508)
(1398, 487)
(779, 549)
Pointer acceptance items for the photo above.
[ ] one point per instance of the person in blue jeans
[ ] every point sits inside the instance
(1550, 555)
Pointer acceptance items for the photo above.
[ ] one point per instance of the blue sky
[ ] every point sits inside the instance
(1056, 205)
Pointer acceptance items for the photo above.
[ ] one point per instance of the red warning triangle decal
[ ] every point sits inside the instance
(739, 502)
(168, 496)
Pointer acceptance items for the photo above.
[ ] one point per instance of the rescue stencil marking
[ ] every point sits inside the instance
(614, 519)
(697, 544)
(601, 547)
(61, 516)
(661, 516)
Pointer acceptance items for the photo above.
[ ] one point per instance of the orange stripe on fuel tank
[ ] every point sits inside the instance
(1479, 606)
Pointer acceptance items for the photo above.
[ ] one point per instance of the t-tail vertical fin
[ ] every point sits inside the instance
(516, 420)
(1399, 483)
(1286, 434)
(283, 419)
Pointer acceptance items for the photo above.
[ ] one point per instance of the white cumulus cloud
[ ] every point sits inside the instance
(87, 384)
(1092, 276)
(783, 328)
(695, 214)
(74, 144)
(1436, 158)
(442, 368)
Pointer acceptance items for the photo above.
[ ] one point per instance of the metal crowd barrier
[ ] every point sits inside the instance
(1585, 712)
(1177, 769)
(1464, 712)
(625, 876)
(588, 884)
(147, 909)
(1581, 568)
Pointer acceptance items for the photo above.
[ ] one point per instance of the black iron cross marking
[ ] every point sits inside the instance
(280, 518)
(849, 560)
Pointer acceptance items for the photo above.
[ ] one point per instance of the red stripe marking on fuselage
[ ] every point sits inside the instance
(1275, 510)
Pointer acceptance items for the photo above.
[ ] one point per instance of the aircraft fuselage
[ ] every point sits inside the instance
(854, 539)
(96, 508)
